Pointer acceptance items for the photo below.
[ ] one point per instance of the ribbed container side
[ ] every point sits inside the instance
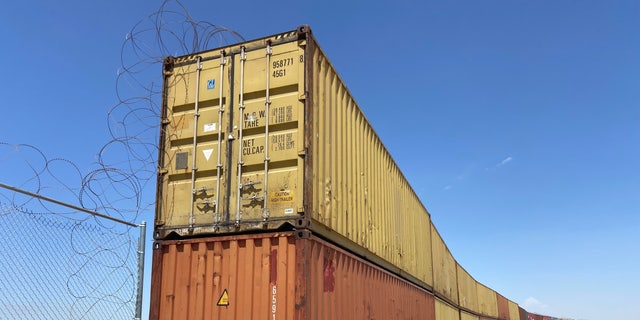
(503, 307)
(533, 316)
(523, 313)
(487, 301)
(276, 276)
(467, 290)
(445, 282)
(514, 313)
(358, 190)
(468, 316)
(263, 134)
(445, 311)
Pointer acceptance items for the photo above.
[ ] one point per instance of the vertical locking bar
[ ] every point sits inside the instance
(267, 104)
(243, 58)
(196, 115)
(223, 62)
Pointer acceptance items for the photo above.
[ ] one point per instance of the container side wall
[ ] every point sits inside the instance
(513, 311)
(255, 277)
(444, 269)
(487, 301)
(503, 307)
(345, 287)
(359, 194)
(523, 313)
(445, 311)
(468, 316)
(468, 294)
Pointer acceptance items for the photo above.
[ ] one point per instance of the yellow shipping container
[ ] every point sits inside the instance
(514, 313)
(467, 291)
(264, 135)
(444, 311)
(468, 316)
(487, 301)
(445, 283)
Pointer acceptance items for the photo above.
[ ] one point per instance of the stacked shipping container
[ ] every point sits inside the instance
(277, 200)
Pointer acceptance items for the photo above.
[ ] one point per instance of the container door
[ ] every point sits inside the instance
(267, 156)
(191, 190)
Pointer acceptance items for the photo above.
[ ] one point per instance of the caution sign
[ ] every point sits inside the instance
(224, 299)
(282, 196)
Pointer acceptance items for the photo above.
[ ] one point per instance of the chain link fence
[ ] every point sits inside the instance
(66, 265)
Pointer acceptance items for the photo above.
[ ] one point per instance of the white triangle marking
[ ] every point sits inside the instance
(207, 153)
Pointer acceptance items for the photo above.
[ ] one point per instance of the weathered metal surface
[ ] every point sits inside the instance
(514, 314)
(503, 307)
(445, 311)
(444, 269)
(468, 316)
(467, 290)
(487, 301)
(276, 276)
(523, 313)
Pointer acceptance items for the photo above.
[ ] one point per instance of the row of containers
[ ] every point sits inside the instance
(296, 275)
(277, 200)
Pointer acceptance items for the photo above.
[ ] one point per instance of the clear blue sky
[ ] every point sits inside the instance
(517, 123)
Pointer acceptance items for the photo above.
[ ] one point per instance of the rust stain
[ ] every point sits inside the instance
(329, 275)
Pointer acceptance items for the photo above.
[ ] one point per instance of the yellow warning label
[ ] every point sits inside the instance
(282, 196)
(224, 299)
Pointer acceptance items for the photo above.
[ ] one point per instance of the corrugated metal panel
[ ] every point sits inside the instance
(444, 311)
(468, 316)
(503, 307)
(444, 269)
(514, 314)
(523, 313)
(533, 316)
(264, 133)
(487, 301)
(467, 291)
(358, 190)
(276, 276)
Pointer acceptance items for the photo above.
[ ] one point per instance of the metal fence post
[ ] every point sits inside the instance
(141, 250)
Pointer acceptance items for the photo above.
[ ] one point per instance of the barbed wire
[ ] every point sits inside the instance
(92, 258)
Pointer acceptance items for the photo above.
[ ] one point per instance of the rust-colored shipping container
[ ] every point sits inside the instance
(487, 301)
(503, 307)
(523, 313)
(467, 291)
(533, 316)
(287, 275)
(264, 135)
(445, 311)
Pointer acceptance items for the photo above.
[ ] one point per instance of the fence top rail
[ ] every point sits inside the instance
(68, 205)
